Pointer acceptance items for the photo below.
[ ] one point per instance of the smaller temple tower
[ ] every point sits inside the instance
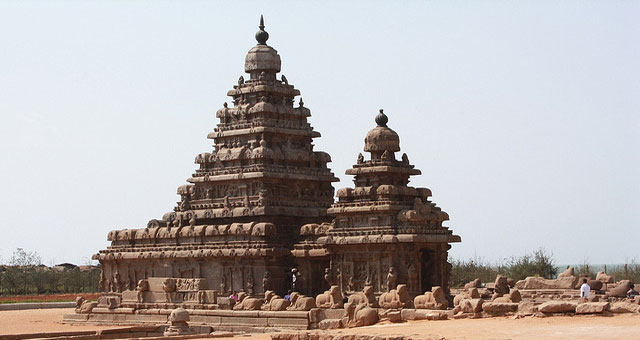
(384, 232)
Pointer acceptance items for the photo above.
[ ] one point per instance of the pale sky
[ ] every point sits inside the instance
(524, 117)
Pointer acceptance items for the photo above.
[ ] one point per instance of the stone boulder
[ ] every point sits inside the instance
(473, 284)
(557, 306)
(499, 308)
(471, 293)
(592, 308)
(624, 307)
(434, 299)
(534, 282)
(513, 296)
(621, 289)
(593, 284)
(527, 308)
(602, 276)
(471, 305)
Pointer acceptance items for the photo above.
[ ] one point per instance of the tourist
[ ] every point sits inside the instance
(631, 293)
(345, 297)
(585, 289)
(294, 278)
(234, 296)
(288, 296)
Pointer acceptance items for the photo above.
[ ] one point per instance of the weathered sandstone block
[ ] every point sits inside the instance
(471, 305)
(592, 307)
(558, 307)
(498, 308)
(533, 282)
(624, 307)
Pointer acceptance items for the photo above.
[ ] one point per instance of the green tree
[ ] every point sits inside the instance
(23, 265)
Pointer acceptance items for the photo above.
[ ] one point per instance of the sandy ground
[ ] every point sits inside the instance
(623, 326)
(39, 320)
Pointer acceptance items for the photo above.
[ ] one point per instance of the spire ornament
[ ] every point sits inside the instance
(262, 36)
(382, 119)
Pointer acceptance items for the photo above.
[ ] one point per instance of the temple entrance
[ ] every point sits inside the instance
(427, 270)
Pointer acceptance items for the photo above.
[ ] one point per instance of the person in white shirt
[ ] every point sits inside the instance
(585, 290)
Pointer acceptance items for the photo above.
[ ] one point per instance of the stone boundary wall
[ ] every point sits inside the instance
(223, 320)
(36, 305)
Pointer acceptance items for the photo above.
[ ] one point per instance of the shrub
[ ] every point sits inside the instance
(627, 271)
(540, 263)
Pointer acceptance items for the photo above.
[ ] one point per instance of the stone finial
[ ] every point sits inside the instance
(262, 36)
(382, 119)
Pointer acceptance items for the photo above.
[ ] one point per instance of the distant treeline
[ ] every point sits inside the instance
(25, 274)
(540, 263)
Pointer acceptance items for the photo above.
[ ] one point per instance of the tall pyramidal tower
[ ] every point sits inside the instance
(242, 209)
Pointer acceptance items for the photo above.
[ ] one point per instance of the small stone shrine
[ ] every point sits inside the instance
(258, 218)
(384, 232)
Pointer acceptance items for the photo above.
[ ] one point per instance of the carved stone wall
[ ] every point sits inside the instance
(381, 225)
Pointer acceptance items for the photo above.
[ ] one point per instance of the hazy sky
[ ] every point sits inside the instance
(524, 117)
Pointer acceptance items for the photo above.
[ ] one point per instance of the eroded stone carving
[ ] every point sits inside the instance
(247, 303)
(396, 298)
(178, 323)
(331, 298)
(434, 299)
(143, 286)
(365, 297)
(301, 302)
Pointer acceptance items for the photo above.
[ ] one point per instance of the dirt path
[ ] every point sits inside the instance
(623, 326)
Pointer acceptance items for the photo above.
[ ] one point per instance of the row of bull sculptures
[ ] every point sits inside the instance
(333, 299)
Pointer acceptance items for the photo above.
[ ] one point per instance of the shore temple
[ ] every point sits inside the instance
(259, 212)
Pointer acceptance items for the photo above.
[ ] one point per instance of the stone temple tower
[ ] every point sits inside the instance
(385, 232)
(241, 211)
(261, 203)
